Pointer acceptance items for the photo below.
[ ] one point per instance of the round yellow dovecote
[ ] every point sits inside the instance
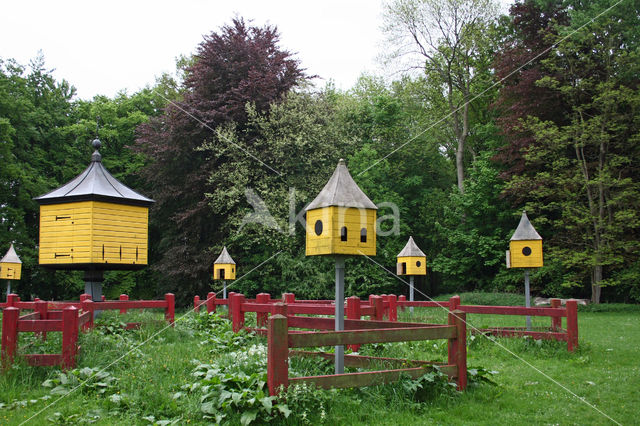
(224, 268)
(94, 222)
(10, 265)
(341, 220)
(411, 260)
(525, 247)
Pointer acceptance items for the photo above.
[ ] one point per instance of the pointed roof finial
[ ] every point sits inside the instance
(525, 230)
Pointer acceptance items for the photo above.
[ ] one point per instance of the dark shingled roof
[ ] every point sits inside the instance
(224, 257)
(341, 191)
(11, 256)
(95, 184)
(525, 230)
(411, 249)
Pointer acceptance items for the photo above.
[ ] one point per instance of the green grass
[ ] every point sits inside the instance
(150, 380)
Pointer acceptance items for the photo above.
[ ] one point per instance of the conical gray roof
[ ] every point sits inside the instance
(224, 257)
(95, 184)
(525, 230)
(411, 249)
(341, 191)
(11, 256)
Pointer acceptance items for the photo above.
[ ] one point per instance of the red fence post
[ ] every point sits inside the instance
(211, 302)
(454, 302)
(42, 308)
(196, 303)
(87, 306)
(385, 304)
(123, 297)
(229, 307)
(103, 298)
(288, 298)
(556, 322)
(261, 317)
(277, 354)
(237, 314)
(10, 317)
(353, 313)
(279, 309)
(378, 307)
(12, 300)
(401, 299)
(457, 347)
(393, 307)
(69, 337)
(170, 310)
(572, 324)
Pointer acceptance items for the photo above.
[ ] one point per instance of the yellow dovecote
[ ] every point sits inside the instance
(224, 268)
(411, 260)
(341, 220)
(525, 247)
(94, 222)
(10, 265)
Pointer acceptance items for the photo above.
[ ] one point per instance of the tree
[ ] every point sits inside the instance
(581, 172)
(449, 40)
(238, 65)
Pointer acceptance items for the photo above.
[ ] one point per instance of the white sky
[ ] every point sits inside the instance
(104, 47)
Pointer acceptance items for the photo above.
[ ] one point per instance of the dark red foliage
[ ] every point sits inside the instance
(529, 43)
(237, 65)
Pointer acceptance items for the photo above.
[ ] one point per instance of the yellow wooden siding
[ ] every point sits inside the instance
(333, 219)
(519, 260)
(10, 270)
(412, 268)
(228, 268)
(93, 232)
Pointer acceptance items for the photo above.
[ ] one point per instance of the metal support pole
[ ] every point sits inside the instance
(224, 289)
(339, 352)
(527, 297)
(8, 287)
(411, 293)
(93, 286)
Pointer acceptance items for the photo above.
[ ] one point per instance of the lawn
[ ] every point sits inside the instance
(199, 372)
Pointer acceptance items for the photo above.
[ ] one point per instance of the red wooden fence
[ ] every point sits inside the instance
(64, 317)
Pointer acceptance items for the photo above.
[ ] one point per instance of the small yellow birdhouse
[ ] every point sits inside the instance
(411, 260)
(224, 268)
(94, 222)
(525, 247)
(341, 219)
(10, 265)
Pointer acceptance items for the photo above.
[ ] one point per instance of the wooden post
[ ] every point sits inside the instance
(279, 309)
(289, 298)
(229, 307)
(402, 298)
(385, 304)
(277, 354)
(457, 347)
(170, 310)
(69, 337)
(261, 317)
(10, 316)
(123, 297)
(572, 324)
(41, 308)
(454, 302)
(12, 300)
(211, 302)
(237, 314)
(378, 307)
(353, 312)
(527, 297)
(393, 307)
(196, 303)
(339, 313)
(85, 296)
(556, 322)
(87, 306)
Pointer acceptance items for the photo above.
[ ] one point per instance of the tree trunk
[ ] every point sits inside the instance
(595, 284)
